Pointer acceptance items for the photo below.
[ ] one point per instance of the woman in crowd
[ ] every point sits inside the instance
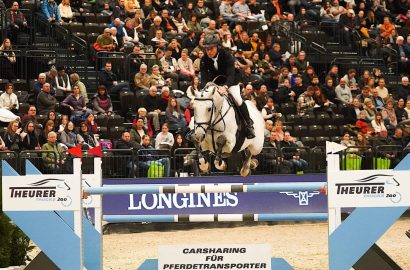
(156, 79)
(193, 23)
(407, 108)
(64, 121)
(389, 115)
(180, 23)
(76, 103)
(75, 80)
(322, 101)
(346, 141)
(12, 136)
(174, 115)
(186, 67)
(328, 89)
(401, 113)
(51, 116)
(91, 124)
(86, 138)
(9, 100)
(7, 60)
(278, 127)
(48, 127)
(227, 42)
(65, 11)
(378, 123)
(102, 102)
(164, 139)
(138, 131)
(68, 136)
(164, 98)
(29, 139)
(364, 79)
(369, 108)
(197, 62)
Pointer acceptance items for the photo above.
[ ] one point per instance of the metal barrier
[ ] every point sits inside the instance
(117, 60)
(117, 163)
(36, 158)
(18, 67)
(152, 163)
(132, 61)
(184, 162)
(357, 158)
(11, 157)
(387, 156)
(37, 61)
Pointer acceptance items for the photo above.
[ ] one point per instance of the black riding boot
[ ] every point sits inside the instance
(248, 121)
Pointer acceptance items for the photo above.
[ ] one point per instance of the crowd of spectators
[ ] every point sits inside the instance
(175, 29)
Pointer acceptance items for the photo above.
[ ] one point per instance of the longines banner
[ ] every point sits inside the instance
(381, 188)
(221, 203)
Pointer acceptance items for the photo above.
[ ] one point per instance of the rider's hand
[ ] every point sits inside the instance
(223, 90)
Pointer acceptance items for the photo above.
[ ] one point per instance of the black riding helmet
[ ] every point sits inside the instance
(211, 41)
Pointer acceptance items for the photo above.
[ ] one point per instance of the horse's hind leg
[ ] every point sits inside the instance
(219, 162)
(246, 166)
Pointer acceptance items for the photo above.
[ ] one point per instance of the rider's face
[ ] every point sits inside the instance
(211, 51)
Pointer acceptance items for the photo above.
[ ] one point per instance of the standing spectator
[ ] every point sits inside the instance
(110, 80)
(63, 85)
(142, 80)
(151, 103)
(76, 103)
(68, 136)
(8, 100)
(102, 102)
(29, 138)
(12, 136)
(65, 11)
(55, 159)
(7, 60)
(175, 116)
(75, 80)
(50, 12)
(343, 93)
(45, 101)
(16, 21)
(164, 139)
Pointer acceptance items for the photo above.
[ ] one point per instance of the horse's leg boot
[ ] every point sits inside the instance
(248, 121)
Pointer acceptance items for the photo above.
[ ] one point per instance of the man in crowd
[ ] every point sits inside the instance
(142, 79)
(16, 21)
(54, 161)
(110, 80)
(45, 101)
(151, 103)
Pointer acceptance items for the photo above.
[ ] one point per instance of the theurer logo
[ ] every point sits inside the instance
(43, 190)
(377, 185)
(303, 196)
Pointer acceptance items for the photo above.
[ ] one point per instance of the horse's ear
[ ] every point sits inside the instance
(191, 93)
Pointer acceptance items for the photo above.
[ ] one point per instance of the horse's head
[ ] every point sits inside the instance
(205, 104)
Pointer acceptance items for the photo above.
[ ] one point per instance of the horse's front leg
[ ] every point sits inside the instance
(246, 166)
(219, 162)
(202, 162)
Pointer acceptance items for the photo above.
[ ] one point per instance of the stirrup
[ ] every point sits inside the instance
(250, 132)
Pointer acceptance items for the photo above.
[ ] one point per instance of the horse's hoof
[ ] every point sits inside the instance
(203, 165)
(220, 165)
(245, 172)
(254, 164)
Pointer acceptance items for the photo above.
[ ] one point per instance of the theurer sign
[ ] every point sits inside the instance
(230, 256)
(379, 188)
(41, 192)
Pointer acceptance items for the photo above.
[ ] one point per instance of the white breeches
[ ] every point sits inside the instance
(235, 91)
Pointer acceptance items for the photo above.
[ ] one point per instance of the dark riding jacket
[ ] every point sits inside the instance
(226, 67)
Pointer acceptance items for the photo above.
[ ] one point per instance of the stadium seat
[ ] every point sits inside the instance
(338, 119)
(115, 120)
(321, 141)
(336, 139)
(309, 119)
(3, 83)
(89, 18)
(300, 131)
(101, 120)
(324, 119)
(293, 119)
(104, 133)
(308, 141)
(127, 102)
(94, 28)
(116, 132)
(20, 85)
(103, 19)
(288, 128)
(330, 130)
(315, 130)
(76, 27)
(288, 108)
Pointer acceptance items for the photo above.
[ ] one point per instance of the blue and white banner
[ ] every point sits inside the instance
(219, 203)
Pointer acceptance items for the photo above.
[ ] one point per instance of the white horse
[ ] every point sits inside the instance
(216, 129)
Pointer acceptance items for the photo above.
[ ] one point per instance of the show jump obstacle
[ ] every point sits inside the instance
(49, 208)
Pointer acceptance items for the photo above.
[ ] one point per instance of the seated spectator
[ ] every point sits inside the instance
(268, 129)
(403, 90)
(164, 139)
(51, 76)
(32, 116)
(109, 79)
(175, 116)
(293, 153)
(154, 27)
(138, 131)
(7, 60)
(167, 24)
(378, 123)
(269, 111)
(322, 103)
(170, 65)
(91, 124)
(274, 155)
(151, 103)
(225, 9)
(370, 109)
(189, 42)
(179, 21)
(378, 102)
(383, 139)
(68, 136)
(38, 85)
(50, 12)
(75, 80)
(398, 138)
(131, 36)
(156, 79)
(137, 22)
(51, 116)
(147, 159)
(142, 113)
(76, 103)
(55, 159)
(407, 108)
(386, 29)
(16, 21)
(65, 11)
(364, 94)
(285, 93)
(328, 90)
(8, 100)
(336, 10)
(118, 38)
(186, 67)
(64, 121)
(350, 79)
(203, 13)
(343, 92)
(125, 142)
(242, 11)
(45, 101)
(131, 7)
(104, 42)
(346, 141)
(102, 102)
(158, 42)
(306, 103)
(119, 11)
(164, 98)
(12, 136)
(63, 85)
(382, 91)
(389, 115)
(193, 23)
(211, 29)
(363, 124)
(142, 80)
(86, 138)
(352, 112)
(48, 127)
(403, 54)
(299, 87)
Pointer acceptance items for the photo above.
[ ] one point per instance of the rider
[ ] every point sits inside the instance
(216, 62)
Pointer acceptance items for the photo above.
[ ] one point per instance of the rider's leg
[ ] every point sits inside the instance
(235, 91)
